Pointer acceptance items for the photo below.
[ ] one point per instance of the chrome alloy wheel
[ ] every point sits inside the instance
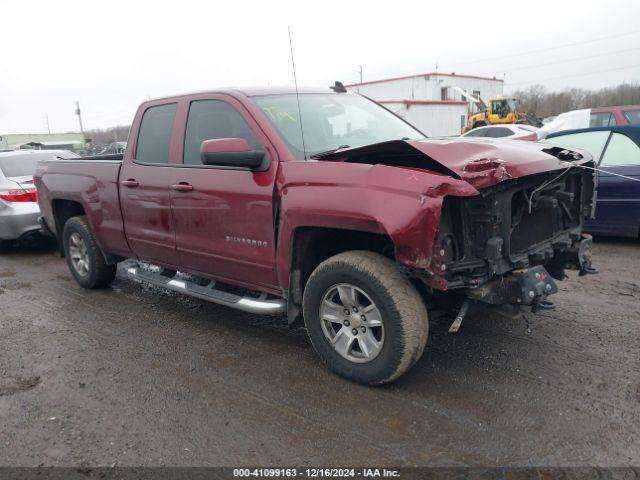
(78, 254)
(352, 323)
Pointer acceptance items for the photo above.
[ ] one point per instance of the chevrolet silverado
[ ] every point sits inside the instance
(324, 207)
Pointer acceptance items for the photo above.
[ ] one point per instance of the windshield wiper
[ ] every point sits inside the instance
(328, 152)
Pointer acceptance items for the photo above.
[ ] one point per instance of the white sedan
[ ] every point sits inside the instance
(19, 209)
(506, 130)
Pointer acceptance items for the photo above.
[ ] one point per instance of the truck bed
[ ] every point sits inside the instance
(89, 181)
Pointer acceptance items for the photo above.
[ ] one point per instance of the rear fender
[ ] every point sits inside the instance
(92, 186)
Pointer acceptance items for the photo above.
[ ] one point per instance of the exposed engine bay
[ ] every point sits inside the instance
(507, 244)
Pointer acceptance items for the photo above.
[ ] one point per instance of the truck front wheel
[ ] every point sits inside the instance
(84, 257)
(365, 320)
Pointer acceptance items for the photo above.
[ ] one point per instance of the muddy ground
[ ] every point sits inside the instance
(128, 376)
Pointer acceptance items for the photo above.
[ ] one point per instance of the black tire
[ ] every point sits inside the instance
(98, 273)
(479, 124)
(6, 245)
(402, 310)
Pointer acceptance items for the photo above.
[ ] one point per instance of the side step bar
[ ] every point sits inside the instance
(260, 305)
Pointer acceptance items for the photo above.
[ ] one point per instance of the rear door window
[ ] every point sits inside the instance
(592, 142)
(632, 116)
(155, 134)
(621, 151)
(603, 119)
(477, 132)
(498, 132)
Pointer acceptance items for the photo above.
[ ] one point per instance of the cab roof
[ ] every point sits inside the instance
(254, 92)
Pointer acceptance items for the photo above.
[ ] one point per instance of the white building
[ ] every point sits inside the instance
(429, 100)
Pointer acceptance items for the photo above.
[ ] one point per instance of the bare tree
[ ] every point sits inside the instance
(538, 100)
(100, 136)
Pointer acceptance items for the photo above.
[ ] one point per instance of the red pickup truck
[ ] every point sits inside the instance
(350, 219)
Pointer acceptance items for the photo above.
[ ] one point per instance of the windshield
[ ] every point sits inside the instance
(18, 165)
(332, 121)
(504, 107)
(24, 164)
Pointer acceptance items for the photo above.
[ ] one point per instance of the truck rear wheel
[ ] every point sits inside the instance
(365, 320)
(84, 257)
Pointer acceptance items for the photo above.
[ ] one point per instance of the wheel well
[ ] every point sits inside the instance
(311, 246)
(63, 210)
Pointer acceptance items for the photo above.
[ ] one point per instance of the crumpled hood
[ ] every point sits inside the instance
(480, 162)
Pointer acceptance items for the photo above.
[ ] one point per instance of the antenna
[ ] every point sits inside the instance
(295, 81)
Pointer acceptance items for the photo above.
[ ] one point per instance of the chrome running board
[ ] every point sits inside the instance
(260, 305)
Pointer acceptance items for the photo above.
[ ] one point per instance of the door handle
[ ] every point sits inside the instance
(131, 183)
(182, 187)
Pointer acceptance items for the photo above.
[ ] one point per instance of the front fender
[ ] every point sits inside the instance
(403, 203)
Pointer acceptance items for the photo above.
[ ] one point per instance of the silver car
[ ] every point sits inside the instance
(19, 209)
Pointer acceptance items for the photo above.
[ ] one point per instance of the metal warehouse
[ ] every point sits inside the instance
(435, 103)
(42, 141)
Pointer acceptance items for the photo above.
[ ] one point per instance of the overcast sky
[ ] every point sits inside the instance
(111, 55)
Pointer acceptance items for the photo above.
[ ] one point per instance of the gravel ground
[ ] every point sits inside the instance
(131, 375)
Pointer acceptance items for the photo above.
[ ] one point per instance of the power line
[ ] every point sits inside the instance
(557, 47)
(576, 75)
(558, 62)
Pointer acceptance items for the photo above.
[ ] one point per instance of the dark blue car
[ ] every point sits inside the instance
(615, 149)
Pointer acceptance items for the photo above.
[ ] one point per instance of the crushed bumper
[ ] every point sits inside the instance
(18, 219)
(576, 257)
(583, 255)
(529, 286)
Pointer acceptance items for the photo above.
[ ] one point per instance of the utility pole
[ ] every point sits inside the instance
(80, 119)
(46, 118)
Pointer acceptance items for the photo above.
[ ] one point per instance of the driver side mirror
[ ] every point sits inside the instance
(231, 152)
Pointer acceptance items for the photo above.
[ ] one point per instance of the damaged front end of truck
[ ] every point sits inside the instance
(508, 243)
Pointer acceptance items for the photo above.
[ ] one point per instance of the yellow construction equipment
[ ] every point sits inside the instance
(500, 110)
